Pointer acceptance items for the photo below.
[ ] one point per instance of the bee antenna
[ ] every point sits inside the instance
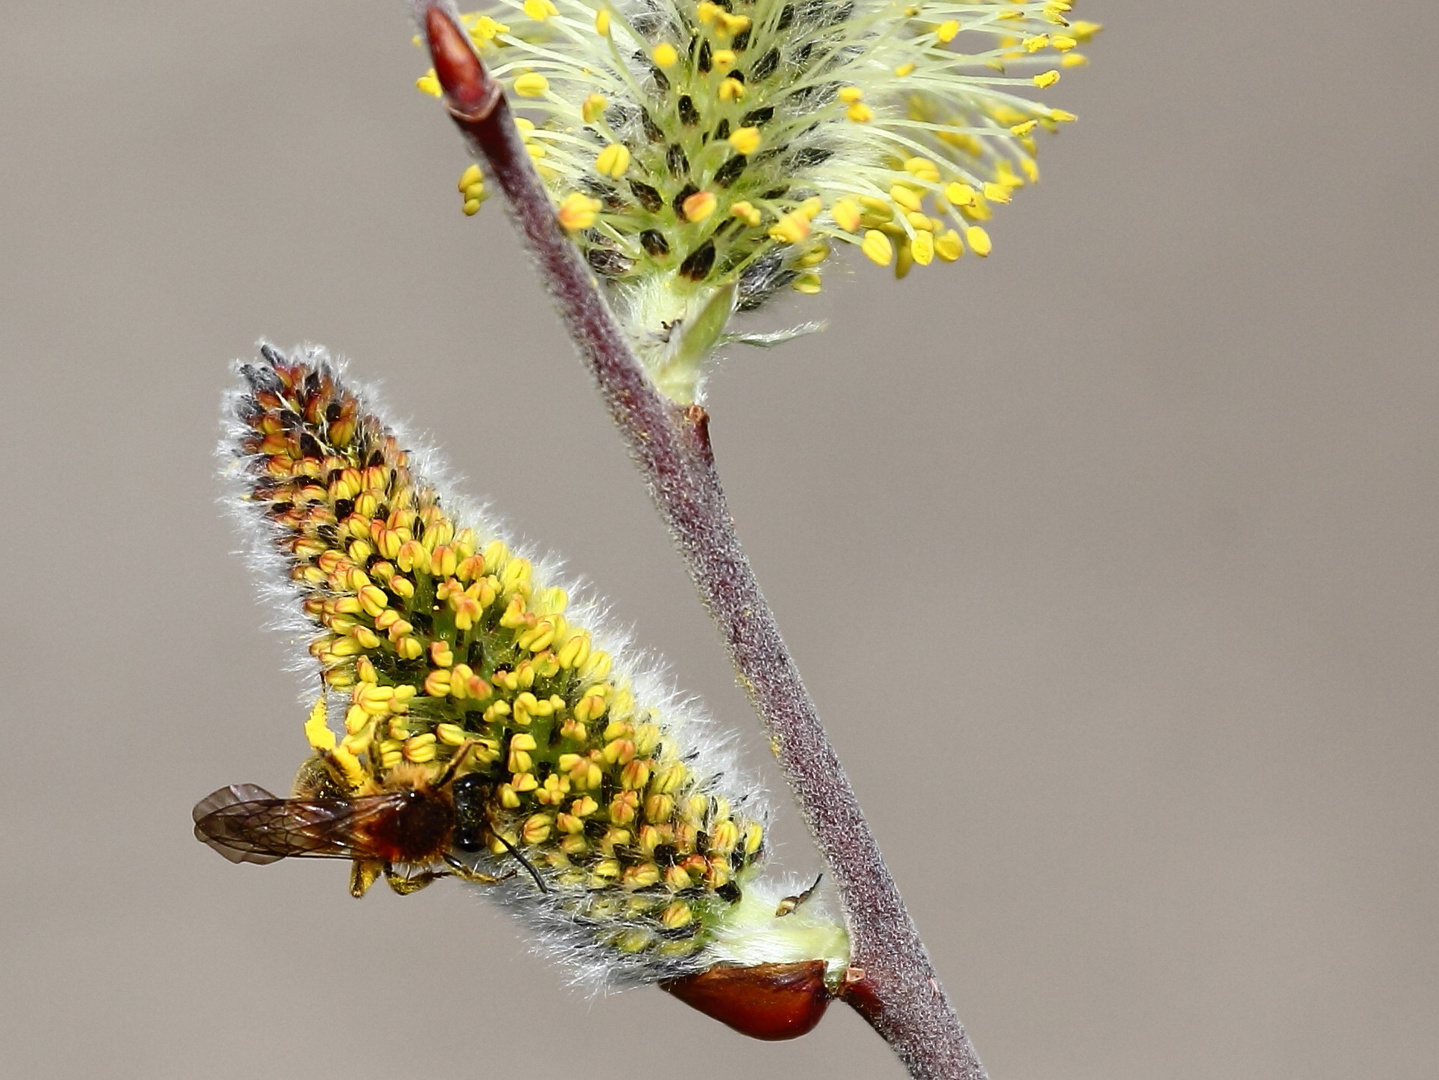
(523, 861)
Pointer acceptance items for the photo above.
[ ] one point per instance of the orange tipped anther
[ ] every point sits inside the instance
(472, 94)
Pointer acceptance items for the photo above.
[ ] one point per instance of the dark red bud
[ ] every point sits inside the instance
(470, 91)
(767, 1001)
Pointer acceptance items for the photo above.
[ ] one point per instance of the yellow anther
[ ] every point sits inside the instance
(1046, 79)
(593, 107)
(877, 247)
(578, 212)
(727, 25)
(420, 748)
(487, 29)
(1024, 128)
(791, 228)
(919, 221)
(846, 214)
(665, 55)
(613, 161)
(960, 194)
(536, 829)
(1035, 43)
(1073, 59)
(1030, 169)
(808, 284)
(539, 10)
(676, 915)
(706, 12)
(699, 206)
(922, 169)
(429, 84)
(946, 31)
(723, 60)
(996, 193)
(859, 113)
(450, 734)
(1063, 42)
(746, 140)
(903, 259)
(1061, 116)
(470, 177)
(470, 207)
(850, 94)
(811, 207)
(906, 197)
(1010, 13)
(978, 240)
(602, 22)
(731, 90)
(531, 85)
(814, 256)
(876, 207)
(635, 775)
(907, 68)
(746, 212)
(921, 247)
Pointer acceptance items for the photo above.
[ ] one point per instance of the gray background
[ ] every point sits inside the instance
(1110, 560)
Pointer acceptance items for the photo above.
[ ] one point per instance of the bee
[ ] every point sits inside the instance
(415, 823)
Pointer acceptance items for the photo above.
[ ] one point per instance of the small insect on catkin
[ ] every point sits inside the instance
(493, 732)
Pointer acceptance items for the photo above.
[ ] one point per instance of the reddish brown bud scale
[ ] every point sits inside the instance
(471, 93)
(767, 1001)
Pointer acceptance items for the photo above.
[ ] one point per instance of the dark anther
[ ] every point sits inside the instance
(741, 40)
(649, 198)
(703, 63)
(679, 200)
(737, 75)
(699, 262)
(730, 171)
(652, 131)
(722, 130)
(810, 156)
(332, 412)
(655, 243)
(729, 891)
(689, 115)
(786, 17)
(609, 262)
(344, 508)
(675, 158)
(766, 65)
(310, 446)
(758, 117)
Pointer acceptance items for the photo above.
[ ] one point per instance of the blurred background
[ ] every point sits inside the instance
(1143, 508)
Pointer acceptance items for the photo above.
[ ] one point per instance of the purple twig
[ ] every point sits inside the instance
(891, 981)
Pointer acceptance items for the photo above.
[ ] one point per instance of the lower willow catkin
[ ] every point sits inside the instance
(609, 815)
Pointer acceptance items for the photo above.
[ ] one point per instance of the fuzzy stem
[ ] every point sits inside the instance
(891, 981)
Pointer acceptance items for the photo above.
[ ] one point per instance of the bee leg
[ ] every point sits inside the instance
(465, 873)
(404, 885)
(363, 873)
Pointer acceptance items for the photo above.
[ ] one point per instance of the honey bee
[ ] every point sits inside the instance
(415, 824)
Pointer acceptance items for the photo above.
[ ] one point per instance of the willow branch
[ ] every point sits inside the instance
(892, 982)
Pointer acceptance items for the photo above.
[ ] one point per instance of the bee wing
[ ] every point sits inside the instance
(246, 823)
